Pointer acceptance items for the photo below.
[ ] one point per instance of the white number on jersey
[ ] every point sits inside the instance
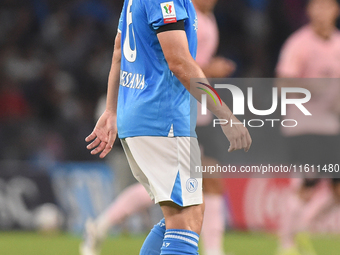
(129, 54)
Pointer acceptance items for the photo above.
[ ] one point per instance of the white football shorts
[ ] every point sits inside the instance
(162, 165)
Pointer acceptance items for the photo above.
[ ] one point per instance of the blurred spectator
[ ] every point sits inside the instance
(311, 52)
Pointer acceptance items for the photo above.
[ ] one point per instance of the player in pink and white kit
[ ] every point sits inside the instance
(135, 198)
(312, 52)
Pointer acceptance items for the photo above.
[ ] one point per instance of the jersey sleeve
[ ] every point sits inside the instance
(162, 12)
(120, 23)
(291, 58)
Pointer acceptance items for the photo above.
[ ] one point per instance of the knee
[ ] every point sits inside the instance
(188, 218)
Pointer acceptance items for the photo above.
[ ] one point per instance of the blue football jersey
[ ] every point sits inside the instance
(151, 100)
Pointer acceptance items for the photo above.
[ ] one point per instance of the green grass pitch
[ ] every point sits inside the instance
(23, 243)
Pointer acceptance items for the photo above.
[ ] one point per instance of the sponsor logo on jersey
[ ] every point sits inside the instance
(169, 12)
(132, 80)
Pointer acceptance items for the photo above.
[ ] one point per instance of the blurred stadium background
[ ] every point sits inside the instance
(54, 61)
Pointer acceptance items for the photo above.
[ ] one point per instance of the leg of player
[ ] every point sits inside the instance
(132, 200)
(321, 203)
(154, 241)
(313, 201)
(214, 220)
(317, 205)
(183, 227)
(162, 165)
(287, 225)
(291, 220)
(309, 213)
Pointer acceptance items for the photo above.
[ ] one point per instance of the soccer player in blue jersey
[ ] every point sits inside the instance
(148, 104)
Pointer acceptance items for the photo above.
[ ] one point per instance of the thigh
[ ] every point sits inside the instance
(136, 170)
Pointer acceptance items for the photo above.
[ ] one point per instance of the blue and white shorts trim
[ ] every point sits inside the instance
(162, 165)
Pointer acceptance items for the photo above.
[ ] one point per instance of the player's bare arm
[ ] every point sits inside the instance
(176, 51)
(105, 131)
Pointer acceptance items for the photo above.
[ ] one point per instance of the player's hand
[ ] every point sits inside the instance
(103, 135)
(220, 67)
(237, 135)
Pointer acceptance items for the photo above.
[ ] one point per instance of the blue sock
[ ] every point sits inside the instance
(153, 242)
(180, 242)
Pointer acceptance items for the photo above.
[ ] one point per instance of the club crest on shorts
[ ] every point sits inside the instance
(192, 185)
